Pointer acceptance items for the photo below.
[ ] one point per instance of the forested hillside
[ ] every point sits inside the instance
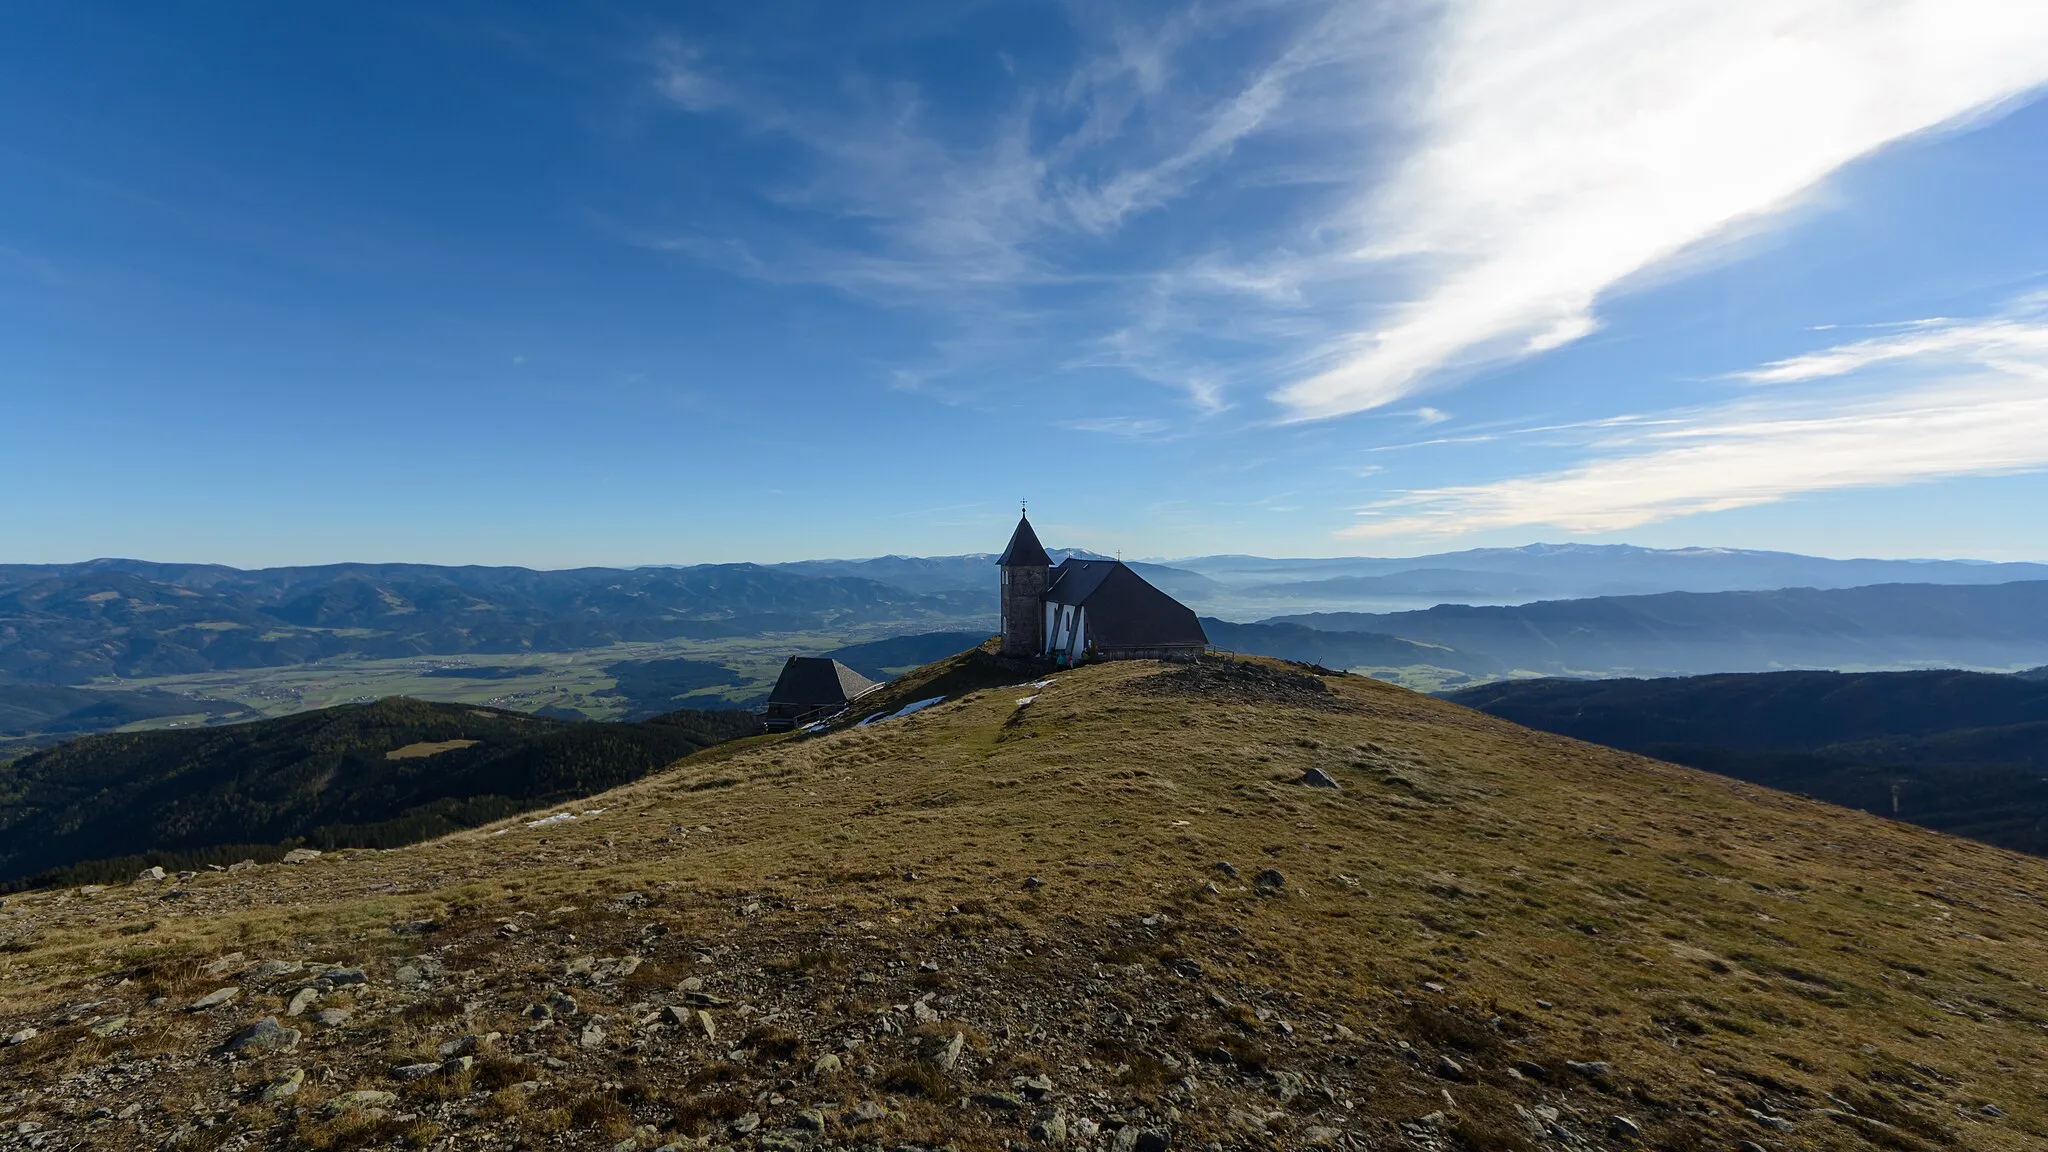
(373, 775)
(1962, 752)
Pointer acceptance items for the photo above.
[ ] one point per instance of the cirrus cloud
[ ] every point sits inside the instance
(1941, 399)
(1564, 147)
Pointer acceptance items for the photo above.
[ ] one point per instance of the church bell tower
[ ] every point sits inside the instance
(1026, 569)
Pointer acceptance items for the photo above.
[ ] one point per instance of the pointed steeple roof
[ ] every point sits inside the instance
(1024, 551)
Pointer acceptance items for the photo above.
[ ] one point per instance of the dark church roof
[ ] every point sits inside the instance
(1123, 610)
(1024, 551)
(816, 682)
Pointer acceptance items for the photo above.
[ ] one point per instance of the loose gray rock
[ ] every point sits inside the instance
(949, 1054)
(107, 1026)
(1623, 1128)
(342, 977)
(1051, 1129)
(272, 969)
(215, 998)
(362, 1098)
(747, 1123)
(823, 1066)
(331, 1017)
(414, 1071)
(301, 856)
(593, 1036)
(284, 1085)
(22, 1037)
(301, 1000)
(1449, 1069)
(1775, 1123)
(265, 1035)
(1317, 778)
(149, 874)
(1270, 879)
(408, 975)
(811, 1120)
(464, 1045)
(1000, 1101)
(867, 1112)
(1591, 1069)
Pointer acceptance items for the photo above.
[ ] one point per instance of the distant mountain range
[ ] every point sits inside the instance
(1998, 626)
(1344, 650)
(1243, 587)
(73, 623)
(1962, 752)
(1557, 571)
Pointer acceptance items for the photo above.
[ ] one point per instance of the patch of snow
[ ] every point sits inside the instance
(907, 709)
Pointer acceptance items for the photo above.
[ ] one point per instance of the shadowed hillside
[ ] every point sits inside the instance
(373, 775)
(1113, 917)
(1963, 752)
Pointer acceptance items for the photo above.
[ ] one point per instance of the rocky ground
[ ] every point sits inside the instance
(1131, 908)
(634, 1024)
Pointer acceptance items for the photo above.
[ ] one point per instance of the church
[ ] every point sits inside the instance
(1088, 609)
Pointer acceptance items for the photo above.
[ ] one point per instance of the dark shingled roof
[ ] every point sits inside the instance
(1024, 551)
(1123, 610)
(815, 682)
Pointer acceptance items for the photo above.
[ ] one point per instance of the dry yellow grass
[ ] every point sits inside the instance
(1735, 957)
(428, 748)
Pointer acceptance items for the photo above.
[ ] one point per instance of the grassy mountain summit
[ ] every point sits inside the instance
(1112, 917)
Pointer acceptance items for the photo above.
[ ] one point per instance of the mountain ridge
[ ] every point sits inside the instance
(1125, 919)
(1993, 625)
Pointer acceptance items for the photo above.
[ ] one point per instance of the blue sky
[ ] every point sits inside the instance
(558, 285)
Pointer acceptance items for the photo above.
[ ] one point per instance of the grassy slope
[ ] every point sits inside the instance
(1723, 947)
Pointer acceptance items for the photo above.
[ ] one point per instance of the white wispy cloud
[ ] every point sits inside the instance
(1563, 147)
(1377, 197)
(1940, 399)
(1123, 427)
